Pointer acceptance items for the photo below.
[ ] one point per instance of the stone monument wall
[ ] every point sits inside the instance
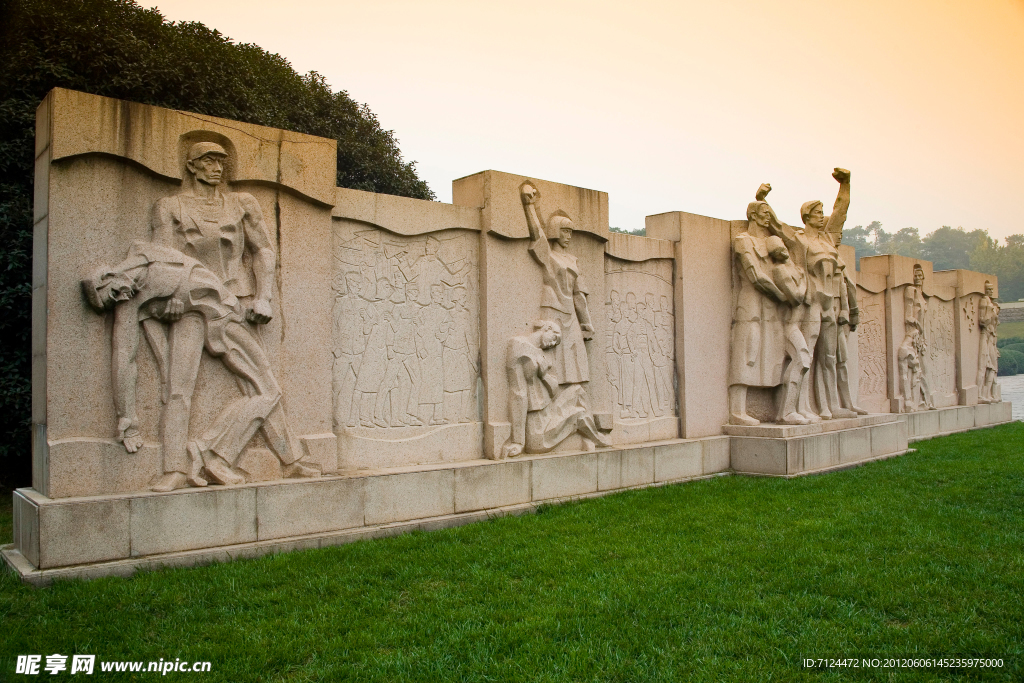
(231, 355)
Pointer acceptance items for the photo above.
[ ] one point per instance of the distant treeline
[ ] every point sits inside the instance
(949, 248)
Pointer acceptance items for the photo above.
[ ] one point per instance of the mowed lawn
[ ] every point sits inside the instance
(730, 579)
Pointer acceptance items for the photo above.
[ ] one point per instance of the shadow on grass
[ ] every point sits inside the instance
(733, 578)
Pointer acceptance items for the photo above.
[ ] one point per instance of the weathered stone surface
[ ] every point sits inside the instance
(412, 495)
(167, 523)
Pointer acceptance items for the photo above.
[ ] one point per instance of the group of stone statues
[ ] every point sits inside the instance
(795, 308)
(641, 354)
(406, 346)
(189, 290)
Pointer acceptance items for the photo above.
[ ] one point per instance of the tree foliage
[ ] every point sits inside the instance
(119, 49)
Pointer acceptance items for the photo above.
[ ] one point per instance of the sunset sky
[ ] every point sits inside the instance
(684, 105)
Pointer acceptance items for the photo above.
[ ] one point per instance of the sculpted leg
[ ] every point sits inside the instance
(738, 406)
(185, 351)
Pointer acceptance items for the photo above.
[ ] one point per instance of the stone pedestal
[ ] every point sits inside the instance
(791, 450)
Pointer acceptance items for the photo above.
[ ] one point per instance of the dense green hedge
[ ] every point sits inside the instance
(1010, 362)
(118, 49)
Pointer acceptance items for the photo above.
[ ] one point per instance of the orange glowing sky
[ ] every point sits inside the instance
(684, 105)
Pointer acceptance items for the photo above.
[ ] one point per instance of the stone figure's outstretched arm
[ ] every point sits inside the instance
(125, 372)
(539, 246)
(842, 205)
(263, 262)
(579, 300)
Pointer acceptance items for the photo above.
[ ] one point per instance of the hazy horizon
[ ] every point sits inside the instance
(689, 107)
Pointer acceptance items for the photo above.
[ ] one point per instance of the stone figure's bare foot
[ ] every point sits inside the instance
(795, 418)
(588, 445)
(413, 421)
(511, 450)
(812, 418)
(744, 420)
(825, 414)
(168, 481)
(859, 410)
(842, 414)
(379, 423)
(299, 471)
(132, 440)
(219, 472)
(194, 476)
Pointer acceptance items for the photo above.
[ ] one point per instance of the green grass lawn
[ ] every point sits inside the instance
(732, 579)
(1007, 330)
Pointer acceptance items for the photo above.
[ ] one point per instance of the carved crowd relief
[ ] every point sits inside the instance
(792, 313)
(189, 289)
(407, 352)
(942, 346)
(547, 369)
(871, 346)
(988, 352)
(640, 338)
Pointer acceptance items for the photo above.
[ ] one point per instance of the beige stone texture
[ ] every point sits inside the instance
(923, 424)
(854, 444)
(637, 249)
(497, 195)
(820, 452)
(309, 507)
(26, 524)
(715, 455)
(412, 495)
(888, 438)
(982, 414)
(156, 138)
(403, 215)
(82, 533)
(703, 317)
(363, 448)
(609, 470)
(759, 455)
(92, 467)
(790, 431)
(1002, 412)
(187, 520)
(638, 466)
(680, 460)
(562, 476)
(492, 485)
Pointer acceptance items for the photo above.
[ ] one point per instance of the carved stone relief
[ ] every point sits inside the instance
(204, 281)
(871, 348)
(547, 370)
(942, 350)
(913, 357)
(406, 341)
(640, 339)
(988, 352)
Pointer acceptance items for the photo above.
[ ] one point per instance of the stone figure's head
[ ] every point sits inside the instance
(631, 301)
(385, 290)
(777, 249)
(206, 162)
(649, 300)
(665, 307)
(352, 283)
(436, 294)
(759, 212)
(560, 229)
(104, 288)
(432, 246)
(990, 290)
(812, 214)
(615, 298)
(458, 295)
(549, 333)
(918, 275)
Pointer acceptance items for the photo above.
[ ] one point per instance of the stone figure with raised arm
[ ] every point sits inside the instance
(151, 282)
(813, 250)
(988, 352)
(758, 339)
(216, 227)
(564, 296)
(543, 411)
(911, 355)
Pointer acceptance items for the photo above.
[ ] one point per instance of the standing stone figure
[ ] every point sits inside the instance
(758, 343)
(564, 297)
(543, 411)
(813, 250)
(215, 227)
(912, 353)
(988, 352)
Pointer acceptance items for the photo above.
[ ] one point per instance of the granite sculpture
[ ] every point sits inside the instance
(988, 352)
(913, 352)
